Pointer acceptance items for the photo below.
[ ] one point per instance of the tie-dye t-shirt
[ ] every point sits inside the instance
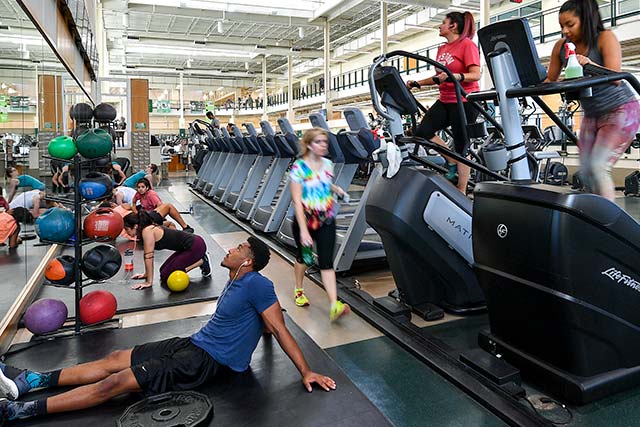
(317, 200)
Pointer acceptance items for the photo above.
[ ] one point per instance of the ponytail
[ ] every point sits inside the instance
(465, 23)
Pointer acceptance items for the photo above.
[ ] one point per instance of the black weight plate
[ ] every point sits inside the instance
(184, 408)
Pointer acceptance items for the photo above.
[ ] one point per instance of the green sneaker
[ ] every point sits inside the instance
(338, 310)
(300, 297)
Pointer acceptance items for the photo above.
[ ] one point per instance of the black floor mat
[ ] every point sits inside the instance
(200, 289)
(269, 394)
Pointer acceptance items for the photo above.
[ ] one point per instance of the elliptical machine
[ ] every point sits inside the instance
(560, 270)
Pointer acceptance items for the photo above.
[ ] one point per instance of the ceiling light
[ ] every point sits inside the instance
(220, 27)
(246, 65)
(210, 93)
(125, 20)
(300, 32)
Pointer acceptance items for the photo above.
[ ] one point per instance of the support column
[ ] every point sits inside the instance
(384, 23)
(264, 87)
(485, 80)
(327, 69)
(181, 123)
(290, 88)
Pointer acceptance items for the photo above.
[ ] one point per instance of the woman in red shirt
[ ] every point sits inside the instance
(149, 199)
(462, 57)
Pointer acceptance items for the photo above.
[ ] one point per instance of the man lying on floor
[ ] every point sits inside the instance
(247, 305)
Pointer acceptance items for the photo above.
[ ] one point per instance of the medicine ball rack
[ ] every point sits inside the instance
(78, 242)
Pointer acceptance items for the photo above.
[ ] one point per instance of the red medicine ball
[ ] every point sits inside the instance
(103, 223)
(97, 306)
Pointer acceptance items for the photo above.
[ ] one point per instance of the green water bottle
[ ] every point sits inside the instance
(307, 255)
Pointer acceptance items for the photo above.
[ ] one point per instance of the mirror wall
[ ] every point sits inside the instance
(36, 94)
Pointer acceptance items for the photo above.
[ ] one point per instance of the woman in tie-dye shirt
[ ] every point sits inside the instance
(312, 188)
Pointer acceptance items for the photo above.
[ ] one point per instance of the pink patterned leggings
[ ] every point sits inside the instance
(602, 141)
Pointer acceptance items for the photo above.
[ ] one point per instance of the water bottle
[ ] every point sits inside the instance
(191, 208)
(307, 255)
(128, 260)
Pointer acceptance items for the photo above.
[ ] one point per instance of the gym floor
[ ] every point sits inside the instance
(405, 390)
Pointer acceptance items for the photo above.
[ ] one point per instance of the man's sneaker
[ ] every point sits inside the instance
(338, 310)
(205, 267)
(8, 388)
(188, 229)
(301, 298)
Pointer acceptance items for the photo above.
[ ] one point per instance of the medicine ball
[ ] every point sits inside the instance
(45, 315)
(61, 270)
(96, 185)
(104, 113)
(103, 223)
(101, 262)
(62, 147)
(55, 224)
(94, 143)
(178, 281)
(97, 306)
(81, 112)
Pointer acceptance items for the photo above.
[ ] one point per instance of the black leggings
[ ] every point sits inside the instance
(325, 239)
(440, 116)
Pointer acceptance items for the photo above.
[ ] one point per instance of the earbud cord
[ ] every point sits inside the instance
(228, 285)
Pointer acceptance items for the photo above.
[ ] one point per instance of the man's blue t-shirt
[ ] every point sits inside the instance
(233, 332)
(133, 179)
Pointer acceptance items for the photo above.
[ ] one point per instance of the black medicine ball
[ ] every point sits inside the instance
(101, 262)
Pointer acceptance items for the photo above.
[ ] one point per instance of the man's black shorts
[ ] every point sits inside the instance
(174, 364)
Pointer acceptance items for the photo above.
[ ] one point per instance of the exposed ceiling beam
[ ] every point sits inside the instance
(254, 14)
(441, 4)
(209, 49)
(334, 9)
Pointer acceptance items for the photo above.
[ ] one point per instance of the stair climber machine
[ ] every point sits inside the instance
(251, 151)
(272, 182)
(270, 213)
(237, 151)
(560, 269)
(423, 220)
(198, 143)
(258, 170)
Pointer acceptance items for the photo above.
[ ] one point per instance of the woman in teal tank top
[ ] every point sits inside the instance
(21, 181)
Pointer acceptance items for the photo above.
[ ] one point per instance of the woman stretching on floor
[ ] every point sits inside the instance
(190, 249)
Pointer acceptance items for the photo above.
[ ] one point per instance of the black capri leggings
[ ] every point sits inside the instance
(440, 116)
(325, 239)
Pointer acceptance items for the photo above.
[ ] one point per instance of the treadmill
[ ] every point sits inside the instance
(268, 154)
(272, 181)
(251, 151)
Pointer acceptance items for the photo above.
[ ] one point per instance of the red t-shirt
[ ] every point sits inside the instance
(458, 57)
(149, 200)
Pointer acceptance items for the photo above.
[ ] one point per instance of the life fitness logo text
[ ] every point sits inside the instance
(502, 231)
(619, 277)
